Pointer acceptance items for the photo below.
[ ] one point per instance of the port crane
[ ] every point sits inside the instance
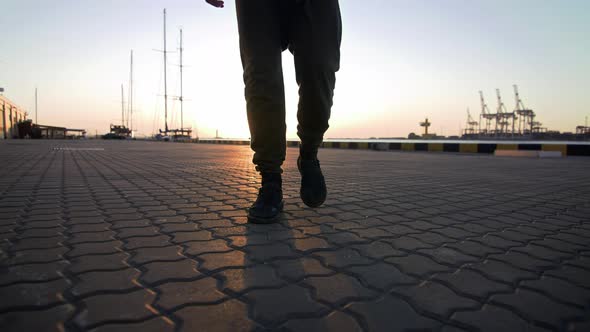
(471, 124)
(526, 116)
(486, 115)
(504, 118)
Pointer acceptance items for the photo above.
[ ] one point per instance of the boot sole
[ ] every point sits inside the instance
(312, 204)
(260, 220)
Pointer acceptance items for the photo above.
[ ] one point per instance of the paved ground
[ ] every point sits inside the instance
(147, 236)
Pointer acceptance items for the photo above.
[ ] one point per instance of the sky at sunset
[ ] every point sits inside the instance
(402, 61)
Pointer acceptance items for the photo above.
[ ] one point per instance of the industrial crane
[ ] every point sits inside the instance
(471, 124)
(504, 118)
(526, 117)
(485, 113)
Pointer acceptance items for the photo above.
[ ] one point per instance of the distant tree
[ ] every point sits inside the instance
(25, 129)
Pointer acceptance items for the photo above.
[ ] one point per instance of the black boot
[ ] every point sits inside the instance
(313, 186)
(269, 203)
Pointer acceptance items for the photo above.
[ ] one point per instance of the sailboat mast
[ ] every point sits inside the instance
(130, 116)
(165, 81)
(122, 107)
(36, 113)
(181, 101)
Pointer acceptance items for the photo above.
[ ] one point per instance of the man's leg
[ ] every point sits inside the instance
(314, 37)
(260, 48)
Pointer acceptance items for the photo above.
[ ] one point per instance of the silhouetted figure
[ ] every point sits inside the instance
(311, 30)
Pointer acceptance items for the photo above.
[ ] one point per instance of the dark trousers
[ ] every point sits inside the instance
(311, 30)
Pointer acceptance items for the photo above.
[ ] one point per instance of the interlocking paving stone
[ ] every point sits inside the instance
(470, 283)
(300, 268)
(137, 232)
(378, 250)
(50, 320)
(35, 256)
(196, 248)
(335, 321)
(492, 318)
(342, 257)
(524, 261)
(147, 242)
(538, 252)
(184, 236)
(539, 308)
(570, 238)
(78, 238)
(40, 232)
(559, 245)
(408, 243)
(269, 252)
(87, 228)
(560, 290)
(310, 244)
(124, 224)
(158, 324)
(31, 295)
(177, 294)
(434, 238)
(151, 236)
(282, 234)
(417, 265)
(496, 241)
(230, 315)
(106, 281)
(573, 274)
(474, 248)
(391, 314)
(96, 248)
(338, 289)
(435, 298)
(499, 271)
(344, 238)
(270, 305)
(160, 254)
(98, 262)
(243, 280)
(448, 256)
(224, 260)
(31, 272)
(112, 308)
(381, 275)
(580, 262)
(159, 272)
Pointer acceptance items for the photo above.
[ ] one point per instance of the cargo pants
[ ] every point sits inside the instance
(311, 30)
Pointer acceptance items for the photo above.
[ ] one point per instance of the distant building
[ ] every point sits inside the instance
(10, 115)
(53, 132)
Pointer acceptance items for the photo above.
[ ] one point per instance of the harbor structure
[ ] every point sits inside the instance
(10, 115)
(583, 130)
(15, 124)
(520, 123)
(425, 124)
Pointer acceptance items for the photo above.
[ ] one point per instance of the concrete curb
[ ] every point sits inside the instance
(566, 149)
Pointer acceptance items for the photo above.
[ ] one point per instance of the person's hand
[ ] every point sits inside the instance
(215, 3)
